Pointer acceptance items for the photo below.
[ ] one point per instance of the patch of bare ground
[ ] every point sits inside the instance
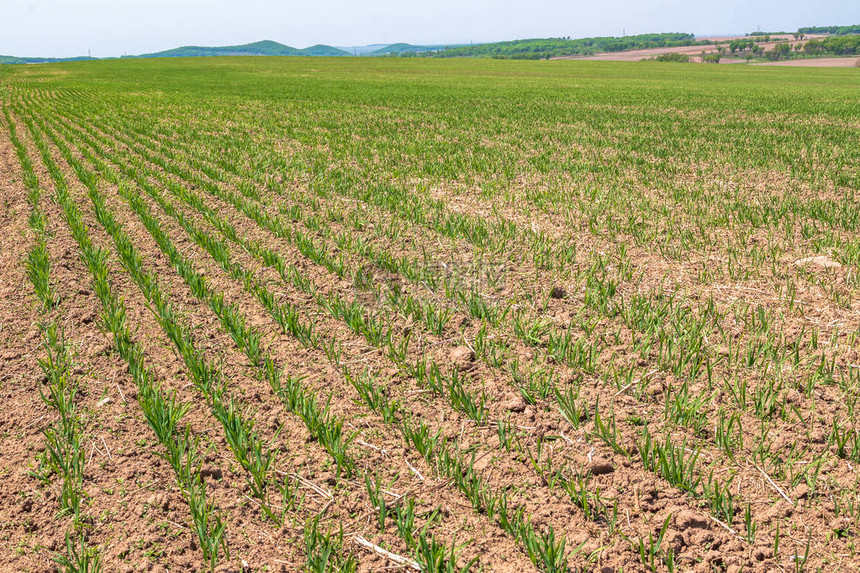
(636, 55)
(694, 51)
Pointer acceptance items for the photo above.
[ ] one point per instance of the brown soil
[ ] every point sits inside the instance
(142, 520)
(636, 55)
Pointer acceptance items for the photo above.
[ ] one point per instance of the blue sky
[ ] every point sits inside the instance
(116, 27)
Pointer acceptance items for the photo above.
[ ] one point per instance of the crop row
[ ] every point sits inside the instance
(63, 455)
(650, 348)
(691, 413)
(319, 547)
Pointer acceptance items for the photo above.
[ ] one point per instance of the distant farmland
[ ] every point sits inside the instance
(291, 314)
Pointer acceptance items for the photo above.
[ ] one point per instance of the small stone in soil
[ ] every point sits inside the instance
(514, 403)
(213, 472)
(601, 467)
(691, 520)
(462, 357)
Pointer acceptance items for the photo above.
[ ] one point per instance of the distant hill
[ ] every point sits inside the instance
(323, 50)
(264, 48)
(361, 50)
(403, 49)
(17, 60)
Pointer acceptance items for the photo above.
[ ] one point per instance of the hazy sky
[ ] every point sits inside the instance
(116, 27)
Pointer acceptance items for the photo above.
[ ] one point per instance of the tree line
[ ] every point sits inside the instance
(837, 30)
(541, 48)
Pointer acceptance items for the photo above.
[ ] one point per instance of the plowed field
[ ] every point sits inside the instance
(274, 314)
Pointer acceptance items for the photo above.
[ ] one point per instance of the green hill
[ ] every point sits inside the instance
(323, 50)
(401, 49)
(264, 48)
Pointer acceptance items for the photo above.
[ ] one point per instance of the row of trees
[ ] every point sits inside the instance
(550, 47)
(844, 45)
(781, 51)
(751, 46)
(834, 45)
(838, 30)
